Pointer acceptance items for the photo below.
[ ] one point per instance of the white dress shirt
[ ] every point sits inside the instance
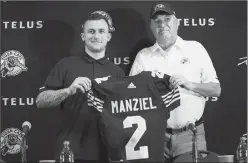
(187, 58)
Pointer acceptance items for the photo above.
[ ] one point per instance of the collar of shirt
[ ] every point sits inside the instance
(89, 59)
(178, 44)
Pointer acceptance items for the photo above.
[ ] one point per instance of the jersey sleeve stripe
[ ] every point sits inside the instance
(172, 101)
(96, 107)
(168, 99)
(171, 92)
(95, 104)
(91, 96)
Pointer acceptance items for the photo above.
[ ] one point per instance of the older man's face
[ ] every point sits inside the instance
(164, 27)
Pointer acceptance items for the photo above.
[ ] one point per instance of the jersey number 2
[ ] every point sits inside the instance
(142, 153)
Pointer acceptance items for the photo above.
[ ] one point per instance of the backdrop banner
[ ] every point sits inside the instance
(39, 34)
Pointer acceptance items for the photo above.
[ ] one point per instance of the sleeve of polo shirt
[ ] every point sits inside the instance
(137, 66)
(54, 80)
(208, 73)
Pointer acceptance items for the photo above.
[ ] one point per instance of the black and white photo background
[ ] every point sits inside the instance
(36, 35)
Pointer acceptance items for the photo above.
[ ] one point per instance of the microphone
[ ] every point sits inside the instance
(192, 127)
(26, 126)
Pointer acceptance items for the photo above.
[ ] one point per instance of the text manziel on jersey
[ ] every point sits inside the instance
(132, 105)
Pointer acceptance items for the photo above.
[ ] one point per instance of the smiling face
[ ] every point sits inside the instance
(164, 27)
(96, 35)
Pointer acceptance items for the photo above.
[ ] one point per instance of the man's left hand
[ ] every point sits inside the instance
(179, 80)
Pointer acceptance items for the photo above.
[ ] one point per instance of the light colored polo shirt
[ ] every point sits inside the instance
(187, 58)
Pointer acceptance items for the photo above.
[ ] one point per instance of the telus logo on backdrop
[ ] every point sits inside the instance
(21, 101)
(120, 60)
(22, 24)
(214, 99)
(197, 22)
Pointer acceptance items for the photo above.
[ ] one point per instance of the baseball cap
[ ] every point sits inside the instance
(162, 7)
(106, 17)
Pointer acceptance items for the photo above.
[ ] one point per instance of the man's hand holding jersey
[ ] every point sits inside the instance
(81, 83)
(179, 80)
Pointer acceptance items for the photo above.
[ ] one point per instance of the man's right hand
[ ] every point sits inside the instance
(81, 83)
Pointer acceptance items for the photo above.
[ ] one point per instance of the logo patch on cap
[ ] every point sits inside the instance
(162, 7)
(159, 6)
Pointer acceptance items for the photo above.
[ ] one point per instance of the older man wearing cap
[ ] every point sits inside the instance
(67, 84)
(190, 68)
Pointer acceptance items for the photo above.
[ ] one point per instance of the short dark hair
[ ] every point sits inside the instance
(98, 15)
